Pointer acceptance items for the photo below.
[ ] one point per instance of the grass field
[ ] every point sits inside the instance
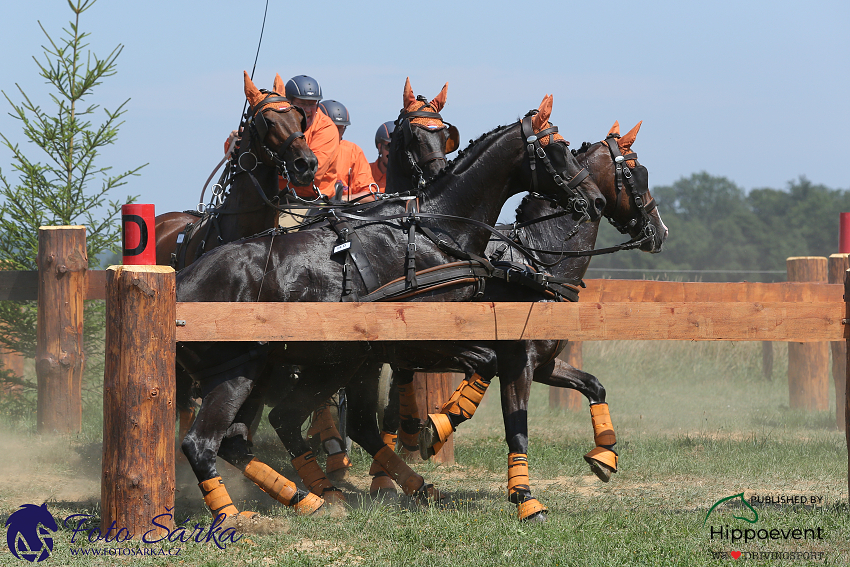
(696, 422)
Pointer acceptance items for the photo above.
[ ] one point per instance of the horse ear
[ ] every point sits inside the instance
(278, 85)
(252, 93)
(615, 129)
(543, 113)
(626, 141)
(409, 97)
(439, 101)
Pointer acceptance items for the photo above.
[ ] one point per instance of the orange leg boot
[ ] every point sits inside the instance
(519, 490)
(460, 407)
(382, 484)
(218, 500)
(602, 459)
(314, 479)
(411, 483)
(338, 462)
(282, 489)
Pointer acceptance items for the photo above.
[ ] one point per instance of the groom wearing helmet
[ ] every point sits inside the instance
(352, 169)
(382, 142)
(321, 134)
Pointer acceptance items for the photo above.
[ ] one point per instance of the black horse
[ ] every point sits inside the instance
(630, 207)
(329, 264)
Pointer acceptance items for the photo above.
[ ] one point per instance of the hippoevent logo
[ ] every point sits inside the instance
(30, 528)
(29, 532)
(739, 535)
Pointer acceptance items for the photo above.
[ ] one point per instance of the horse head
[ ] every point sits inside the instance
(564, 180)
(421, 138)
(276, 128)
(630, 207)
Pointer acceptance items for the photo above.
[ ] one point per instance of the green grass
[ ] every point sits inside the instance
(696, 422)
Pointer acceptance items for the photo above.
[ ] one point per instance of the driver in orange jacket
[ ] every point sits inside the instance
(352, 169)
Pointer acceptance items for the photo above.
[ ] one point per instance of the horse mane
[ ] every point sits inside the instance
(585, 147)
(466, 155)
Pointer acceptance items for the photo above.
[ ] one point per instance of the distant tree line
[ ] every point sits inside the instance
(716, 227)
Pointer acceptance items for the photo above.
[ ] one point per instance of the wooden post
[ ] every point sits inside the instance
(62, 263)
(562, 398)
(432, 391)
(138, 397)
(808, 363)
(838, 266)
(846, 400)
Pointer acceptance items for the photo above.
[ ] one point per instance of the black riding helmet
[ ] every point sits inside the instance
(336, 111)
(384, 133)
(303, 87)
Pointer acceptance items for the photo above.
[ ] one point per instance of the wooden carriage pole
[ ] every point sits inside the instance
(562, 398)
(808, 363)
(838, 266)
(138, 396)
(62, 263)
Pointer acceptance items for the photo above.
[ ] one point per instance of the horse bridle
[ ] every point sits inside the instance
(576, 199)
(259, 128)
(624, 179)
(403, 123)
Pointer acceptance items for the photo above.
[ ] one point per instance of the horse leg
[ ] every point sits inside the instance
(403, 407)
(185, 409)
(202, 442)
(323, 425)
(462, 403)
(387, 466)
(515, 393)
(236, 449)
(602, 458)
(315, 383)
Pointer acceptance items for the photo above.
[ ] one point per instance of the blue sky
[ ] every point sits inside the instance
(754, 91)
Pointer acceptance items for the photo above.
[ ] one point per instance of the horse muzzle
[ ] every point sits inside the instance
(302, 170)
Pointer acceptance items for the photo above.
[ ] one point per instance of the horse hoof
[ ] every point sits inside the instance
(334, 497)
(536, 518)
(531, 510)
(603, 462)
(339, 475)
(601, 471)
(428, 495)
(428, 437)
(384, 494)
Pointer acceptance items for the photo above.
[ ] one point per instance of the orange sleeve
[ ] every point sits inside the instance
(380, 178)
(359, 173)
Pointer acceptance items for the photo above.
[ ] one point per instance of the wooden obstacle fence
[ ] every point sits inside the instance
(138, 478)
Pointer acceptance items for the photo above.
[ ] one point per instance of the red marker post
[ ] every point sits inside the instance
(844, 233)
(139, 238)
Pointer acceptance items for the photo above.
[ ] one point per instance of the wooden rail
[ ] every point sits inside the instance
(703, 321)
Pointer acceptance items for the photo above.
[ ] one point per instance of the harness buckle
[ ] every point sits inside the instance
(541, 153)
(411, 248)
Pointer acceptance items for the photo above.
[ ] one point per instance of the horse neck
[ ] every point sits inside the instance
(477, 185)
(243, 196)
(550, 235)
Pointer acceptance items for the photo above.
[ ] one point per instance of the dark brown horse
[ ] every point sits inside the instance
(272, 144)
(303, 267)
(630, 207)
